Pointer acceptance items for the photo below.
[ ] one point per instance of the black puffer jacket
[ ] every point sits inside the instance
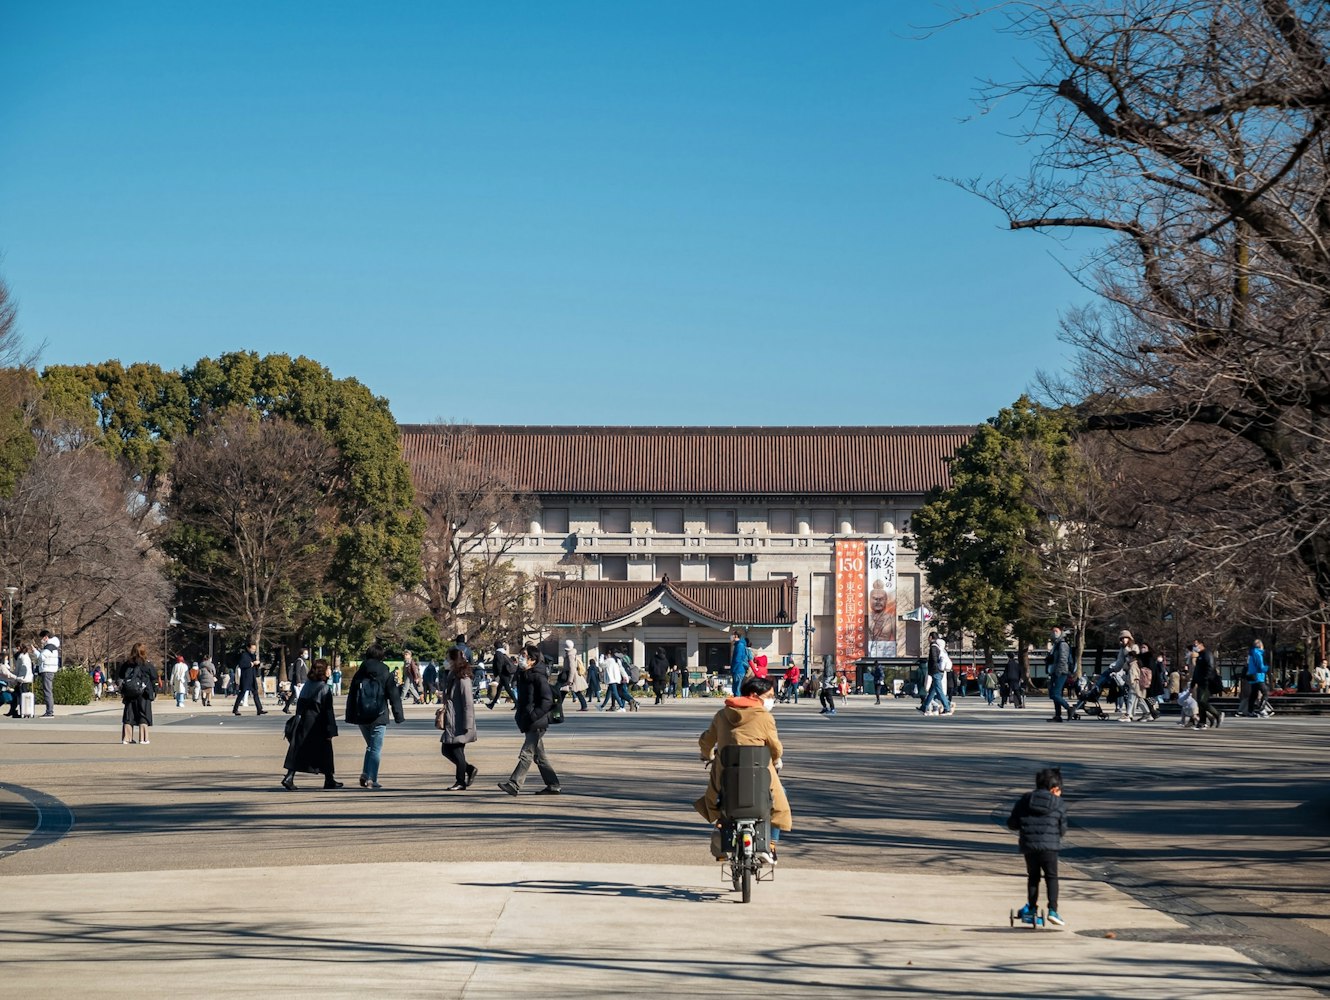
(1041, 818)
(535, 699)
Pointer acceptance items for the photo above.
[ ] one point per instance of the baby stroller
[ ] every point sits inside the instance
(1098, 693)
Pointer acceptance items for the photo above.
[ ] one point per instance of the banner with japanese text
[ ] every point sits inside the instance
(880, 584)
(849, 601)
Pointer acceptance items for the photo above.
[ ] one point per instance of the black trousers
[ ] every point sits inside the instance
(456, 752)
(1047, 863)
(1255, 689)
(505, 684)
(240, 696)
(827, 696)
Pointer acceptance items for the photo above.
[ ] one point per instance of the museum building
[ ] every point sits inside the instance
(678, 537)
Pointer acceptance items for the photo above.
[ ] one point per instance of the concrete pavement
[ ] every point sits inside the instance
(186, 871)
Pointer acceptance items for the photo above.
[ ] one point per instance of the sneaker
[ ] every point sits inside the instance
(950, 711)
(1055, 920)
(144, 742)
(763, 858)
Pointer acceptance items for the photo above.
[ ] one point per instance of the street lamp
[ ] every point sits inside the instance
(213, 627)
(9, 615)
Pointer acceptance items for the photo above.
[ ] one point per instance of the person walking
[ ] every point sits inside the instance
(629, 673)
(411, 680)
(535, 702)
(299, 675)
(793, 678)
(313, 730)
(1059, 669)
(138, 688)
(879, 682)
(48, 650)
(1041, 819)
(457, 718)
(579, 683)
(826, 693)
(179, 680)
(207, 681)
(1257, 692)
(505, 671)
(1205, 681)
(374, 694)
(593, 679)
(247, 667)
(939, 664)
(659, 669)
(1012, 687)
(612, 671)
(740, 658)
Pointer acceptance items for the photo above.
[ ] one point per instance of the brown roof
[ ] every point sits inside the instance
(695, 461)
(741, 602)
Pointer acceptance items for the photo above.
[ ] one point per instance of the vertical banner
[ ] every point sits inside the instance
(849, 602)
(880, 583)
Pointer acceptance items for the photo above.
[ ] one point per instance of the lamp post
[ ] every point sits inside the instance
(213, 627)
(9, 615)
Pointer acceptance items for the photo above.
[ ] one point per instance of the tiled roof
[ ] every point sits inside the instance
(741, 602)
(695, 461)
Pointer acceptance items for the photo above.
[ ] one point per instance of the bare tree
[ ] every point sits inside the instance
(1192, 134)
(474, 514)
(252, 510)
(77, 541)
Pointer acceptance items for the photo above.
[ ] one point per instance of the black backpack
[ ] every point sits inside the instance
(136, 684)
(371, 699)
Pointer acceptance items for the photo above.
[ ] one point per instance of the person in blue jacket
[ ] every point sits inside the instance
(740, 656)
(1257, 692)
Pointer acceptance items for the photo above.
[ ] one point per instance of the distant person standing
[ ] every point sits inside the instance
(23, 674)
(793, 678)
(879, 682)
(247, 667)
(138, 687)
(48, 648)
(659, 669)
(1012, 688)
(374, 693)
(740, 658)
(179, 680)
(535, 702)
(299, 675)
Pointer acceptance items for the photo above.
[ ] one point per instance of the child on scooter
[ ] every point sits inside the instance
(1041, 818)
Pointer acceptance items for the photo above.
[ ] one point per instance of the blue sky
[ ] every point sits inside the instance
(531, 212)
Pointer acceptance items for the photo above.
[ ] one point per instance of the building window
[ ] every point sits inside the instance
(824, 521)
(614, 567)
(722, 521)
(671, 566)
(668, 521)
(614, 521)
(780, 521)
(720, 568)
(554, 520)
(865, 522)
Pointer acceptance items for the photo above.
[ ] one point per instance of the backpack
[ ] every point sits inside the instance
(135, 685)
(1147, 678)
(371, 699)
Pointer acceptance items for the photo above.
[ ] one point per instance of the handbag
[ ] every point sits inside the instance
(290, 729)
(438, 717)
(556, 714)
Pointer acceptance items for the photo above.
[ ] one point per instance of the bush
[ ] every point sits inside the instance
(72, 686)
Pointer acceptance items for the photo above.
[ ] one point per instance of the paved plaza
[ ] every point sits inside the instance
(1197, 864)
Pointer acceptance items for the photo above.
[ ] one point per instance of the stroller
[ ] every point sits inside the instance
(1094, 693)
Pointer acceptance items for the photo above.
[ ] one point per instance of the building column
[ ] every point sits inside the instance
(639, 649)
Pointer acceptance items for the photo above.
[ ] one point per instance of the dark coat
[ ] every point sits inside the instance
(659, 666)
(1201, 671)
(503, 665)
(247, 675)
(1011, 673)
(459, 710)
(311, 748)
(299, 671)
(1041, 818)
(535, 698)
(375, 668)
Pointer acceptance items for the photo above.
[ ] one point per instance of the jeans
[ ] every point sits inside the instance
(611, 697)
(737, 680)
(938, 690)
(180, 699)
(48, 691)
(987, 693)
(1055, 687)
(1047, 863)
(626, 695)
(373, 751)
(533, 748)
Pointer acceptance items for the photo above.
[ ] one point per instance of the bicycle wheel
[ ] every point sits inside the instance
(747, 883)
